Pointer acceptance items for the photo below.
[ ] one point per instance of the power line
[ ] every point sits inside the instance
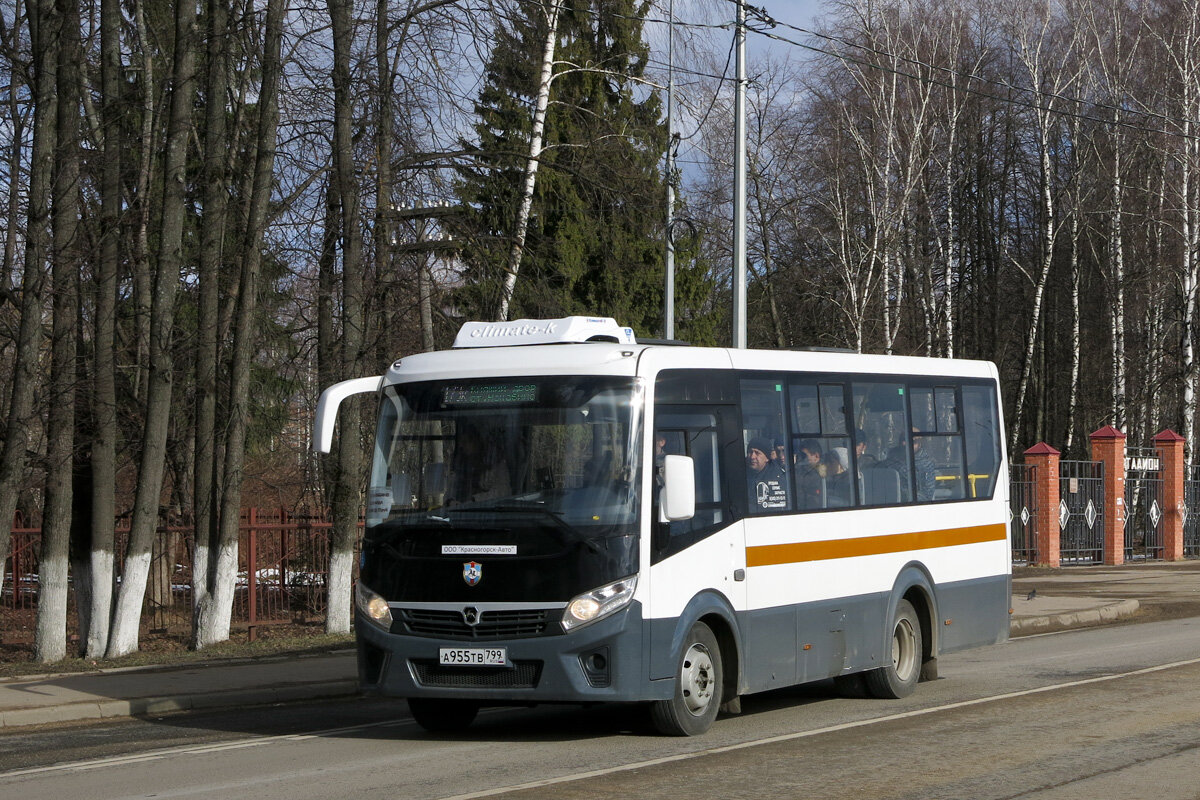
(766, 19)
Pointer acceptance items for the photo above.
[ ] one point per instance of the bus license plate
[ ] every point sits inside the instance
(473, 656)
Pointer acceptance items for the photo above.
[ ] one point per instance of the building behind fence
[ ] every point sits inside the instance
(283, 562)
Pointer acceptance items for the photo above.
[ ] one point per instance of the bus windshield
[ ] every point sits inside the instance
(483, 453)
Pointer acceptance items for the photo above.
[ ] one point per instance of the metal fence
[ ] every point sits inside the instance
(282, 575)
(1023, 510)
(1081, 512)
(1191, 512)
(1144, 539)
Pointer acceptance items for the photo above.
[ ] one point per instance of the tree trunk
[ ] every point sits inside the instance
(104, 381)
(531, 165)
(51, 638)
(213, 616)
(124, 637)
(212, 240)
(26, 367)
(346, 493)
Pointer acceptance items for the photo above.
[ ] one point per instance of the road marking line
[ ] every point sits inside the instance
(654, 762)
(199, 749)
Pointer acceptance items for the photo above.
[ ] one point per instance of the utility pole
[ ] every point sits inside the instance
(739, 183)
(669, 293)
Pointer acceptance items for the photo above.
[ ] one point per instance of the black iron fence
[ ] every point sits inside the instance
(1023, 508)
(1191, 512)
(1081, 512)
(1143, 505)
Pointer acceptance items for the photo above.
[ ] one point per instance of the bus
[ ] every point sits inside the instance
(559, 513)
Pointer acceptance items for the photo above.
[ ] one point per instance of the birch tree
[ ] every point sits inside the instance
(1046, 48)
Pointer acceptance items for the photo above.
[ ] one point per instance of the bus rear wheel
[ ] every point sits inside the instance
(442, 716)
(899, 678)
(697, 698)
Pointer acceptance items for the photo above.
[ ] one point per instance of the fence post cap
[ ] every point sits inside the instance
(1108, 432)
(1042, 449)
(1168, 435)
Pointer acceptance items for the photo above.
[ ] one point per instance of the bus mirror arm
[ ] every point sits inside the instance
(331, 400)
(678, 496)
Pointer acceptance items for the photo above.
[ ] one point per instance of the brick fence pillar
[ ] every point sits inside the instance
(1108, 447)
(1044, 460)
(1170, 444)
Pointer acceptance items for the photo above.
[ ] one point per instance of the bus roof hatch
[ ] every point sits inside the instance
(543, 331)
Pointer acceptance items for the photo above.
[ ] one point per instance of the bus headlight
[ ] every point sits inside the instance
(598, 603)
(374, 607)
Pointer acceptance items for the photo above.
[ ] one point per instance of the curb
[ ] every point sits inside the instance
(146, 706)
(1075, 619)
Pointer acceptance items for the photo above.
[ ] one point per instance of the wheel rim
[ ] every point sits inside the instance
(696, 679)
(904, 649)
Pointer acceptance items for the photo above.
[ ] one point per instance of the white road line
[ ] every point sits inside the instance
(200, 749)
(816, 732)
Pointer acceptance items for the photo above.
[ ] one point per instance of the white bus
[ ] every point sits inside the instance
(559, 513)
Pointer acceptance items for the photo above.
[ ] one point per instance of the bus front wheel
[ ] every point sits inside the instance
(899, 677)
(442, 716)
(697, 697)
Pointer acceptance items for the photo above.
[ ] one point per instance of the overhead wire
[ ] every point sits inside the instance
(765, 18)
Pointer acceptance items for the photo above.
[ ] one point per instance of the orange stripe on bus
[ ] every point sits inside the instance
(766, 555)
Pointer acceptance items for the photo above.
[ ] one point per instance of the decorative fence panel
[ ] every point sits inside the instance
(1081, 512)
(1191, 517)
(1144, 539)
(282, 576)
(1023, 510)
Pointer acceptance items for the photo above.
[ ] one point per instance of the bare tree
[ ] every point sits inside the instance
(51, 641)
(44, 23)
(125, 630)
(1046, 46)
(346, 496)
(551, 9)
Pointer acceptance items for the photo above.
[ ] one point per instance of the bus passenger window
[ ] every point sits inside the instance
(886, 456)
(763, 427)
(981, 431)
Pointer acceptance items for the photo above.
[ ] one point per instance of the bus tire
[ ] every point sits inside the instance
(442, 716)
(697, 698)
(900, 675)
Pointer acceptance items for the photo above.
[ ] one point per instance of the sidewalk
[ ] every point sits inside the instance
(1043, 601)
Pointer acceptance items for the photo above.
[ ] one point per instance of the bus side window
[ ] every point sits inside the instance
(981, 428)
(692, 432)
(763, 429)
(880, 414)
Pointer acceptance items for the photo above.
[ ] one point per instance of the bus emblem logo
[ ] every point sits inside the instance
(472, 572)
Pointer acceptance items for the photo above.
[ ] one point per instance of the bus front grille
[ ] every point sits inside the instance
(521, 675)
(490, 625)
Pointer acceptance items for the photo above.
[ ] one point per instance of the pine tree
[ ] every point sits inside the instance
(595, 239)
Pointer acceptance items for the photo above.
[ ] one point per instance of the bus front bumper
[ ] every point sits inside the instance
(600, 662)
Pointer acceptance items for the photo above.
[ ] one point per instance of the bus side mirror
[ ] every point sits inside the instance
(331, 400)
(678, 497)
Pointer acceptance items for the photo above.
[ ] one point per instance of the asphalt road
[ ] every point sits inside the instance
(1096, 713)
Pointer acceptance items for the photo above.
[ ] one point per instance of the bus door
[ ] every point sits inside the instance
(708, 551)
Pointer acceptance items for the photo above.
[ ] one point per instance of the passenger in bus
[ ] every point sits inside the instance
(837, 477)
(861, 456)
(810, 479)
(779, 455)
(925, 470)
(765, 481)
